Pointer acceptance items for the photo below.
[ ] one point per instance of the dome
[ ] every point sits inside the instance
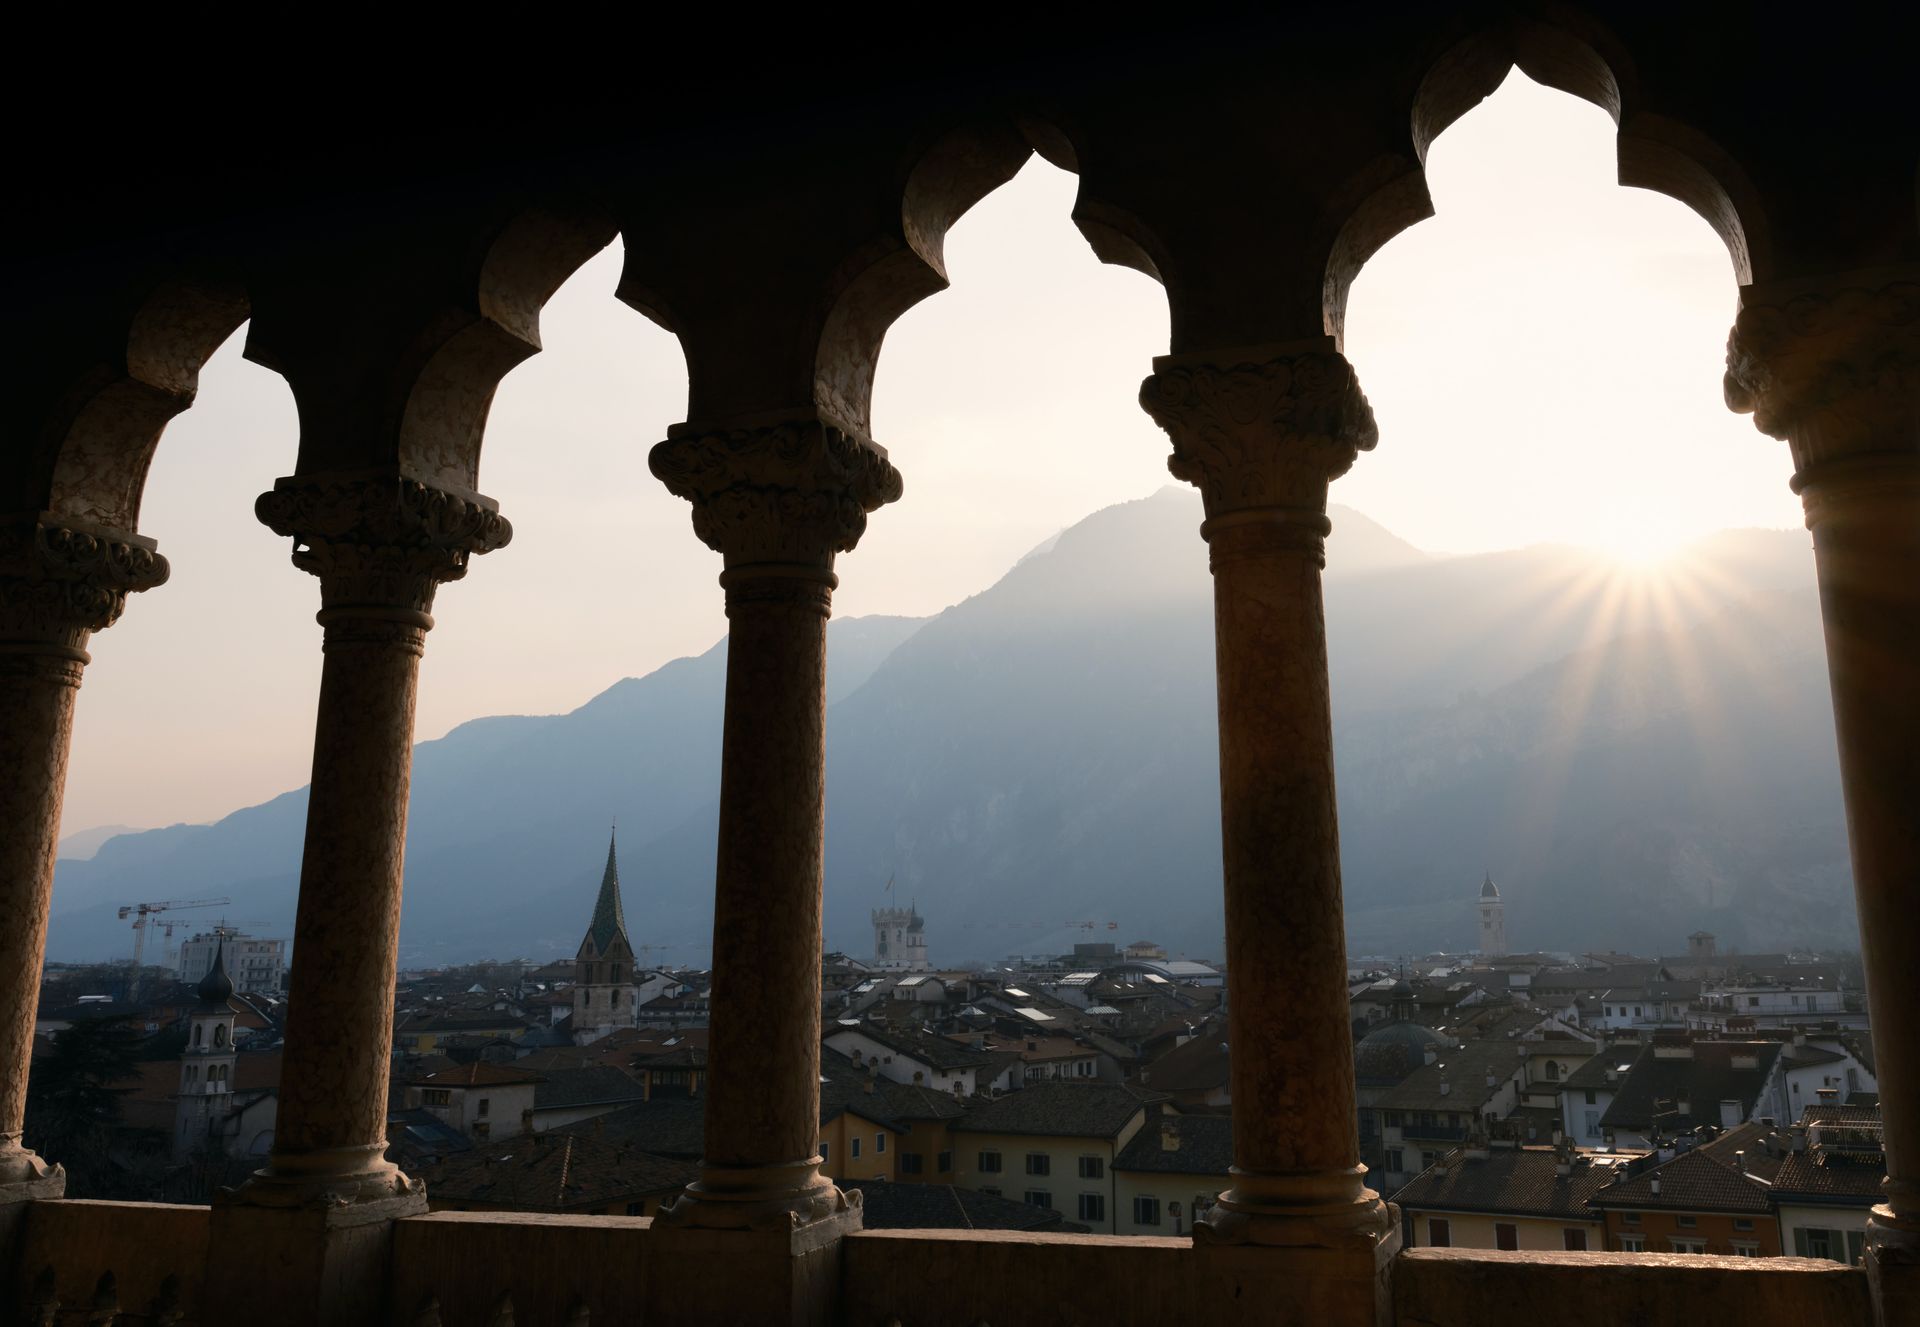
(1393, 1050)
(216, 987)
(1487, 890)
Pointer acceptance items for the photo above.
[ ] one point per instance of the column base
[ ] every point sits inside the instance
(26, 1176)
(784, 1197)
(1893, 1267)
(319, 1261)
(1306, 1249)
(338, 1176)
(1333, 1210)
(781, 1276)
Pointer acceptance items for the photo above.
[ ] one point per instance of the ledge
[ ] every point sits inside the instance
(468, 1263)
(1481, 1288)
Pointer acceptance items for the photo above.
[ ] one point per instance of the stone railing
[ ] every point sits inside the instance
(137, 1263)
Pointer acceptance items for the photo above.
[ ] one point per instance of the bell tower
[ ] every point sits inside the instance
(1493, 920)
(206, 1066)
(606, 991)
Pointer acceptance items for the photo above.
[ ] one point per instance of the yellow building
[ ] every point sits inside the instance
(1052, 1145)
(1478, 1197)
(1171, 1172)
(856, 1146)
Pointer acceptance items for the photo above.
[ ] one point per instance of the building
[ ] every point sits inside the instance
(606, 989)
(256, 966)
(1169, 1174)
(481, 1099)
(1677, 1084)
(899, 940)
(911, 1055)
(1052, 1145)
(1493, 920)
(1696, 1202)
(206, 1065)
(566, 1096)
(1481, 1197)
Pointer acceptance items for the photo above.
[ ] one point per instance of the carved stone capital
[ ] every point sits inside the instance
(1834, 373)
(1261, 433)
(61, 580)
(792, 492)
(380, 544)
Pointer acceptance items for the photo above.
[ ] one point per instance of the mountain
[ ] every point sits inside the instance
(1633, 756)
(84, 843)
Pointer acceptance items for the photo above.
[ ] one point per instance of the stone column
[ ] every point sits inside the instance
(60, 581)
(779, 501)
(1261, 433)
(1835, 372)
(380, 546)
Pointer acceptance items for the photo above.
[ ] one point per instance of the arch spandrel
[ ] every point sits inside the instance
(104, 431)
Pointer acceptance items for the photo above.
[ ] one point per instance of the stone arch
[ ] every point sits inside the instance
(1655, 151)
(445, 411)
(106, 435)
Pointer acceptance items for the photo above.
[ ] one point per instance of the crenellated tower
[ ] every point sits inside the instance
(1493, 920)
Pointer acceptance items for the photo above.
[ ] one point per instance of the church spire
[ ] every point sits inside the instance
(609, 918)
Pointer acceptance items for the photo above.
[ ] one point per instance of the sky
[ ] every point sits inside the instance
(1543, 357)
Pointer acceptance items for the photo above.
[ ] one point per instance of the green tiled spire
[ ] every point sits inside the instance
(609, 918)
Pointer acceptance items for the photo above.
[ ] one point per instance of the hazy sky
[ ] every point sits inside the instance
(1543, 356)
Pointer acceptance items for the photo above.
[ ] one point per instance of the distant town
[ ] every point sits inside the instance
(1692, 1102)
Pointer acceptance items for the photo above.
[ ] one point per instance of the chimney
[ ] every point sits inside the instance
(1740, 1160)
(1431, 1055)
(1445, 1087)
(1730, 1114)
(1169, 1136)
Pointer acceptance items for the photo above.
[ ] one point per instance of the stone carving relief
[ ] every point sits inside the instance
(797, 491)
(380, 541)
(60, 581)
(1269, 433)
(1829, 372)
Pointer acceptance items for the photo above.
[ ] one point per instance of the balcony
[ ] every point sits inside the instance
(144, 1262)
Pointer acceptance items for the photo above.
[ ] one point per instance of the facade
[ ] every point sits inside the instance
(606, 988)
(1531, 1198)
(1493, 920)
(1697, 1202)
(393, 257)
(911, 1056)
(1052, 1145)
(899, 940)
(256, 966)
(482, 1100)
(1171, 1172)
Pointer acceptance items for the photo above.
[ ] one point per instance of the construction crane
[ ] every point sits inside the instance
(142, 913)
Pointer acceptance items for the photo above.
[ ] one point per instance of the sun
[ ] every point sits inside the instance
(1640, 544)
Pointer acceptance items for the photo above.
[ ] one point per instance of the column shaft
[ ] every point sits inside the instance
(1865, 517)
(339, 1034)
(763, 1098)
(1289, 1029)
(37, 694)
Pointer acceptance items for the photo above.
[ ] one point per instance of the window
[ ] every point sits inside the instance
(1394, 1119)
(944, 1163)
(1743, 1223)
(1576, 1240)
(1092, 1168)
(990, 1163)
(879, 1143)
(853, 1147)
(1815, 1243)
(1439, 1233)
(1591, 1099)
(1630, 1218)
(1679, 1245)
(483, 1108)
(1553, 1072)
(1593, 1121)
(1685, 1222)
(1093, 1207)
(1427, 1159)
(1745, 1248)
(1396, 1160)
(637, 1209)
(1506, 1235)
(436, 1096)
(1146, 1211)
(1039, 1163)
(1856, 1241)
(912, 1163)
(1753, 1002)
(1633, 1244)
(1038, 1198)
